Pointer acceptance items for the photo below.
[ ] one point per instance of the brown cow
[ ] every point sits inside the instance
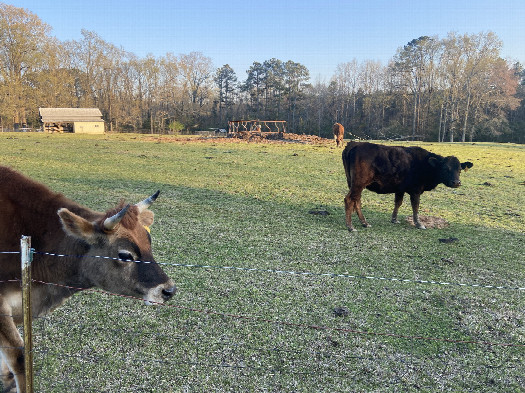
(339, 133)
(393, 169)
(59, 225)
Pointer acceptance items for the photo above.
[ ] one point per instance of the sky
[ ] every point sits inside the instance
(319, 34)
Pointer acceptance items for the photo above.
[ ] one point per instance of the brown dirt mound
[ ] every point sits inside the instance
(430, 222)
(282, 137)
(255, 137)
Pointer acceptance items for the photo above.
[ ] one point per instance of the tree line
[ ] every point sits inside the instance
(456, 88)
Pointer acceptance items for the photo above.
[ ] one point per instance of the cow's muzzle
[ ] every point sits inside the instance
(160, 294)
(168, 293)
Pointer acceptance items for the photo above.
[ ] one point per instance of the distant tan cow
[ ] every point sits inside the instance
(339, 133)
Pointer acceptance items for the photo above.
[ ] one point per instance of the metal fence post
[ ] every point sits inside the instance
(27, 258)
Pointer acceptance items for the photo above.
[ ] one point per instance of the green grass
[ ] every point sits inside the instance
(247, 205)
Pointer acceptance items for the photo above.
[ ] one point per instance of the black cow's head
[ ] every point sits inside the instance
(448, 169)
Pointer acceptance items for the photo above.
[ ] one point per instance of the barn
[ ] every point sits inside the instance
(77, 120)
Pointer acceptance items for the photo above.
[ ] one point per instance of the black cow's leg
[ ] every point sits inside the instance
(397, 203)
(360, 213)
(414, 199)
(353, 202)
(349, 209)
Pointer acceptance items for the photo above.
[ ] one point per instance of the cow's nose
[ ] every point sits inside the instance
(167, 293)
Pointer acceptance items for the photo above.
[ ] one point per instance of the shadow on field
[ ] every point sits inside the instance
(197, 227)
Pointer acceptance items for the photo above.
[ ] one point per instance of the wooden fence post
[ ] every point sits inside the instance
(27, 258)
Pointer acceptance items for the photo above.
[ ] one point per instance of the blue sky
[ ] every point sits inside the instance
(319, 34)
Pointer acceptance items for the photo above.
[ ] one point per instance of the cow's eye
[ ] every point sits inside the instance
(125, 256)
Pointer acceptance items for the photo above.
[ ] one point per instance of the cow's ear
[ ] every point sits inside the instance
(466, 165)
(434, 162)
(146, 218)
(76, 226)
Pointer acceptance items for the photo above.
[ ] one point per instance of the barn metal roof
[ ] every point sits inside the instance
(56, 115)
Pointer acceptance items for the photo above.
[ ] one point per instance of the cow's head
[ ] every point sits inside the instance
(449, 169)
(122, 235)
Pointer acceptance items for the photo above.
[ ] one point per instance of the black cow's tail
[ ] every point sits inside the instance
(348, 157)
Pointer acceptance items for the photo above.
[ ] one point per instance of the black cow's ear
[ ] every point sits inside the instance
(466, 165)
(433, 161)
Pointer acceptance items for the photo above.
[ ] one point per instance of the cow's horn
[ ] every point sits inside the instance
(111, 222)
(146, 203)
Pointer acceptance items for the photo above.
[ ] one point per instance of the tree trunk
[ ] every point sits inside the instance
(465, 121)
(414, 115)
(440, 123)
(151, 122)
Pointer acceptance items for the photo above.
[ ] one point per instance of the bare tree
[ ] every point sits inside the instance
(196, 77)
(23, 37)
(415, 64)
(347, 79)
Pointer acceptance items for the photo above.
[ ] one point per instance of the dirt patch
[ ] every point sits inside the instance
(319, 211)
(282, 137)
(430, 222)
(255, 137)
(448, 240)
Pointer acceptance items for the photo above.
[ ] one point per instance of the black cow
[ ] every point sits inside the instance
(395, 170)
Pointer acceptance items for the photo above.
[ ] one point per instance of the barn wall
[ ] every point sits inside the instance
(88, 127)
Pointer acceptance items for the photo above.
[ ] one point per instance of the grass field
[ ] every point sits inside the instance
(248, 206)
